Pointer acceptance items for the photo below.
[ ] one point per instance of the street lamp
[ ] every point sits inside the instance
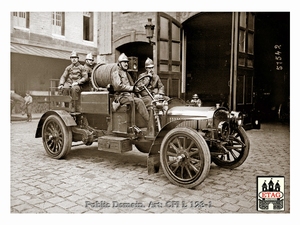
(149, 27)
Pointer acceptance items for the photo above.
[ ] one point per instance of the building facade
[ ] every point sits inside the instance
(207, 53)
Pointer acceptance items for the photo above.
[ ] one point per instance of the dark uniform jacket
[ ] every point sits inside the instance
(88, 69)
(74, 73)
(122, 81)
(87, 86)
(155, 86)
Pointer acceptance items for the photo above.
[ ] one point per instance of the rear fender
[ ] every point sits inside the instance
(64, 115)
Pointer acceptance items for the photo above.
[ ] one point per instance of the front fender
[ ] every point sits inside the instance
(162, 133)
(64, 115)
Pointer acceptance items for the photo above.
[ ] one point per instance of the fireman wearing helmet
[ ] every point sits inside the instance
(155, 86)
(88, 66)
(196, 100)
(123, 85)
(72, 79)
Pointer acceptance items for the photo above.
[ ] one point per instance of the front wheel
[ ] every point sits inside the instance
(185, 157)
(57, 137)
(236, 150)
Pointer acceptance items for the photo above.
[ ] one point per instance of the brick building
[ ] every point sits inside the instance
(211, 54)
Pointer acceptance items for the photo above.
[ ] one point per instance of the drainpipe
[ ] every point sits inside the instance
(235, 59)
(231, 63)
(183, 63)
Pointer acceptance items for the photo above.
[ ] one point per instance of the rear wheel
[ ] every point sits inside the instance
(236, 150)
(185, 157)
(57, 137)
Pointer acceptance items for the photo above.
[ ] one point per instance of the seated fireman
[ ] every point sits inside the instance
(123, 84)
(89, 65)
(71, 81)
(155, 86)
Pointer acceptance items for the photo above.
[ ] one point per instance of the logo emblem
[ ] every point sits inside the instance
(270, 193)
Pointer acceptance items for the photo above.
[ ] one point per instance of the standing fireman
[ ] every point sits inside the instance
(72, 79)
(28, 106)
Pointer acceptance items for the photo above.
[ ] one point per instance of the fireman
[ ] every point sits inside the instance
(123, 85)
(196, 100)
(155, 86)
(89, 65)
(72, 79)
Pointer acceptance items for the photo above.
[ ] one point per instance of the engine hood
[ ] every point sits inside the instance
(190, 111)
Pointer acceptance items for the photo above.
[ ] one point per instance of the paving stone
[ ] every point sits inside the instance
(24, 197)
(153, 193)
(55, 200)
(15, 201)
(245, 204)
(35, 191)
(56, 209)
(92, 195)
(44, 205)
(22, 207)
(64, 194)
(230, 207)
(66, 204)
(81, 192)
(18, 193)
(136, 195)
(75, 197)
(34, 201)
(34, 210)
(78, 209)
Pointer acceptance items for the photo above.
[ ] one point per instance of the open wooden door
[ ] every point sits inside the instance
(243, 62)
(169, 54)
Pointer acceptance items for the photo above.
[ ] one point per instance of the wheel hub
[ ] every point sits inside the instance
(182, 158)
(53, 136)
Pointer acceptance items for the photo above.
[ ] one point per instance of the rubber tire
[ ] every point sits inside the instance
(64, 142)
(204, 153)
(242, 157)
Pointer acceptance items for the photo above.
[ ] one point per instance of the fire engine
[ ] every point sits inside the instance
(181, 139)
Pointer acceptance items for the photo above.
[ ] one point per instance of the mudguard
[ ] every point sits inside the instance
(64, 115)
(159, 137)
(153, 161)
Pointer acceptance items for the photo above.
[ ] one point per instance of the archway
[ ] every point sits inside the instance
(141, 50)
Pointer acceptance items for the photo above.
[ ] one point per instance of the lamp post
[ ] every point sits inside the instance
(149, 27)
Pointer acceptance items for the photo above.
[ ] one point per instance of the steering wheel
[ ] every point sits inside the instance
(142, 83)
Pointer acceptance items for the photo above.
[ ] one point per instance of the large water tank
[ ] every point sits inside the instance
(102, 74)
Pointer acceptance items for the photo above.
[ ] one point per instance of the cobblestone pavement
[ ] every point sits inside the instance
(91, 181)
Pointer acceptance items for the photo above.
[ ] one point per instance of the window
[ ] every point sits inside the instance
(242, 41)
(21, 19)
(250, 43)
(251, 21)
(246, 39)
(88, 26)
(243, 19)
(58, 23)
(169, 45)
(246, 36)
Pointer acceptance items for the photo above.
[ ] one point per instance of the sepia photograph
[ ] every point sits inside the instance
(149, 112)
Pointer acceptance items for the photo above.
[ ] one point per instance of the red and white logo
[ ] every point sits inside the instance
(270, 193)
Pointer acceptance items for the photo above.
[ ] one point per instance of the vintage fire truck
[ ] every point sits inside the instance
(181, 139)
